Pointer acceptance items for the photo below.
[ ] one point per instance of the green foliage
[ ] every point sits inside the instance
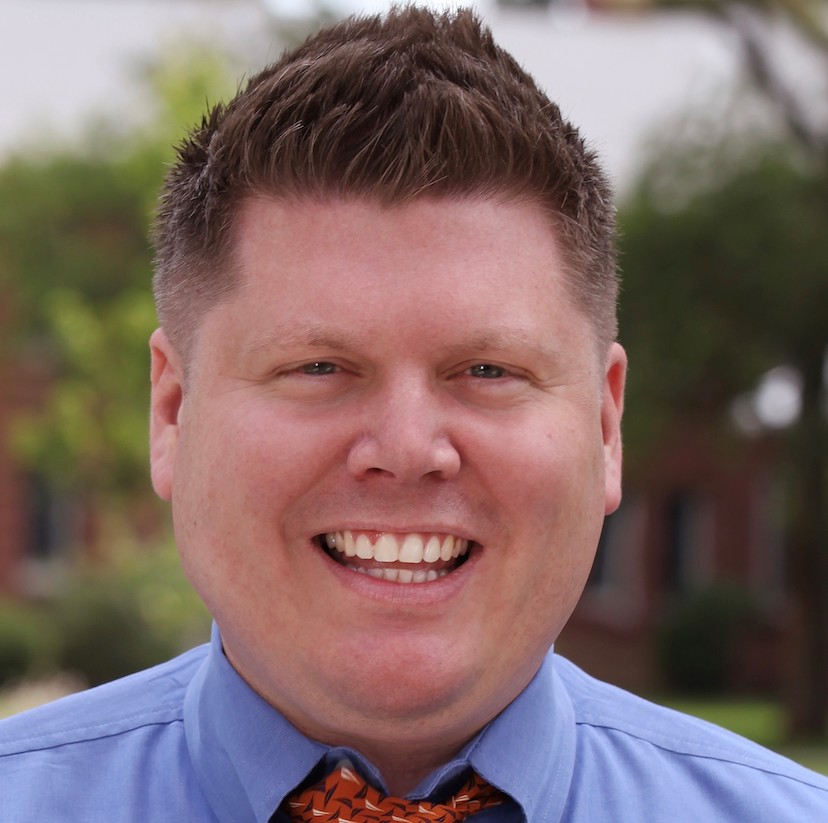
(698, 636)
(68, 221)
(27, 642)
(92, 430)
(725, 260)
(103, 634)
(76, 265)
(182, 85)
(163, 594)
(760, 720)
(724, 278)
(134, 613)
(757, 719)
(75, 268)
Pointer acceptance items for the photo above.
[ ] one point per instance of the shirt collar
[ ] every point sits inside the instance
(528, 750)
(249, 757)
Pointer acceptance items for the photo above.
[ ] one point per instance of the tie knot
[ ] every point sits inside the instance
(344, 797)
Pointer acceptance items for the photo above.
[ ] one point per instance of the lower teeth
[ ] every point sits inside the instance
(401, 575)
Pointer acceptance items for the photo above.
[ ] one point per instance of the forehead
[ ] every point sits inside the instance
(478, 236)
(344, 269)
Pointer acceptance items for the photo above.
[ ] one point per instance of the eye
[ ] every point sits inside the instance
(318, 368)
(486, 371)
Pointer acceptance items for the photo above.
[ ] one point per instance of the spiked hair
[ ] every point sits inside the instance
(389, 108)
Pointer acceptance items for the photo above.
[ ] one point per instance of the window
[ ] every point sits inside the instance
(615, 588)
(688, 531)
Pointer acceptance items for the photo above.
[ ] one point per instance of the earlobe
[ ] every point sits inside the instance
(612, 410)
(165, 406)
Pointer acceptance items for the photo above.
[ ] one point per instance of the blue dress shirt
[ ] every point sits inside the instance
(190, 741)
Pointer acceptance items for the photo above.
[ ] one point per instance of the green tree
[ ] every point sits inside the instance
(725, 260)
(795, 101)
(76, 268)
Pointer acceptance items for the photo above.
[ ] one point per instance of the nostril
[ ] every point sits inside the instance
(406, 457)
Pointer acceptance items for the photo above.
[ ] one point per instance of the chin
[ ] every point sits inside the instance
(412, 690)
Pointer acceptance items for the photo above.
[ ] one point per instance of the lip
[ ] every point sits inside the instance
(431, 528)
(384, 591)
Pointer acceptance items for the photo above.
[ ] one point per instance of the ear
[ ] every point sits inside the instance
(612, 408)
(167, 380)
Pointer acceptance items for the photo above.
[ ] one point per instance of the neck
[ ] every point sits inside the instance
(406, 743)
(403, 770)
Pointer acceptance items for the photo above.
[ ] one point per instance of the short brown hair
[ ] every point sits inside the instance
(390, 108)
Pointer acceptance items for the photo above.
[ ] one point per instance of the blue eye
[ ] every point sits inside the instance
(319, 368)
(486, 370)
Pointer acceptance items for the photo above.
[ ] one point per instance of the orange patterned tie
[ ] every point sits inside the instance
(344, 797)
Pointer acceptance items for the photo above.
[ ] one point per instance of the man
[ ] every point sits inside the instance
(386, 403)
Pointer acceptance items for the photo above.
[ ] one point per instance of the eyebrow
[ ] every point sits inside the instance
(503, 340)
(291, 337)
(322, 337)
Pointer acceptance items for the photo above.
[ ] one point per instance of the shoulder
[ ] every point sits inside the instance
(114, 749)
(148, 698)
(679, 762)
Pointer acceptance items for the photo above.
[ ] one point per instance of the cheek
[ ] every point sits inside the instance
(551, 466)
(554, 499)
(245, 485)
(219, 489)
(256, 457)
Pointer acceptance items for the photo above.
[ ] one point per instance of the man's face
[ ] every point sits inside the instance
(391, 462)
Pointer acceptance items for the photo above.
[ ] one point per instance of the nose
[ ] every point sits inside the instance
(404, 436)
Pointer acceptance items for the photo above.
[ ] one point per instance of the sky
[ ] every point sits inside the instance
(615, 77)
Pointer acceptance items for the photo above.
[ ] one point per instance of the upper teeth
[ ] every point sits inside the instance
(402, 548)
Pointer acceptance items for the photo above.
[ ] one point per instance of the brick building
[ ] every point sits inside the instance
(695, 517)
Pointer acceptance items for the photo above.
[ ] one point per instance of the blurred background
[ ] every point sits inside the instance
(710, 588)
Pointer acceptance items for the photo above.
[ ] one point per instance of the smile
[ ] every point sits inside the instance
(397, 558)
